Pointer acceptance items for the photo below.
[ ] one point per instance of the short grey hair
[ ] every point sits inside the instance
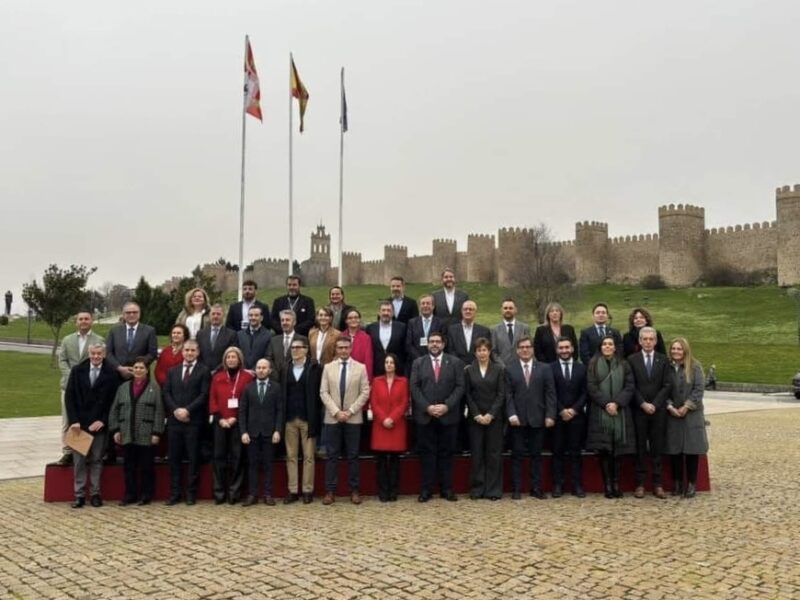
(648, 329)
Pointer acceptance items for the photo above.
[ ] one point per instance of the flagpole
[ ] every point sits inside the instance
(291, 212)
(341, 179)
(241, 200)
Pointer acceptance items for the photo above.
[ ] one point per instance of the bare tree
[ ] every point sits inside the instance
(539, 272)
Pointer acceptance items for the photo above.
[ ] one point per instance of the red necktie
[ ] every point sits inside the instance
(436, 369)
(527, 374)
(187, 372)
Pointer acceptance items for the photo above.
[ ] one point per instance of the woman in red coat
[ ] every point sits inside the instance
(172, 355)
(361, 342)
(389, 402)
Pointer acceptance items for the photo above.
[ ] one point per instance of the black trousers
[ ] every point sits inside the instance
(228, 471)
(184, 442)
(139, 472)
(342, 436)
(436, 444)
(692, 462)
(388, 472)
(260, 454)
(567, 443)
(650, 433)
(486, 447)
(526, 440)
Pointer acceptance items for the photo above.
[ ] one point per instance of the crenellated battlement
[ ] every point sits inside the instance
(591, 226)
(346, 254)
(443, 242)
(627, 239)
(765, 225)
(686, 210)
(787, 191)
(480, 236)
(271, 262)
(395, 247)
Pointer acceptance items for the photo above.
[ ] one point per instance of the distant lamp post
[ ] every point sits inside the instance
(30, 318)
(794, 294)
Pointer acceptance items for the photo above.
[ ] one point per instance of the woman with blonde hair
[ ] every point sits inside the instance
(545, 339)
(686, 428)
(196, 307)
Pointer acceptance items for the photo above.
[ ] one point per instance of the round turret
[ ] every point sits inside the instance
(681, 248)
(787, 208)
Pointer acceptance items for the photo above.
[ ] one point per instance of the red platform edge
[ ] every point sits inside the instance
(58, 479)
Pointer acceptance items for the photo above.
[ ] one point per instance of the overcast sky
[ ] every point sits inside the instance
(121, 123)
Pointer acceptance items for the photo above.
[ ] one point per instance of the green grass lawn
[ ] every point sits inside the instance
(749, 333)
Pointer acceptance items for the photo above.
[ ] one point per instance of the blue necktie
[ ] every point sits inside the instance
(648, 364)
(131, 331)
(343, 382)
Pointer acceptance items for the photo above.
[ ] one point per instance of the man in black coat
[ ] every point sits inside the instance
(388, 336)
(437, 389)
(419, 328)
(447, 301)
(569, 377)
(261, 423)
(405, 308)
(531, 407)
(303, 307)
(91, 387)
(590, 337)
(185, 395)
(652, 380)
(239, 312)
(128, 340)
(213, 340)
(254, 341)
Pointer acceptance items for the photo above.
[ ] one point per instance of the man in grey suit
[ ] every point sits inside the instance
(531, 407)
(254, 341)
(506, 333)
(279, 349)
(214, 339)
(447, 301)
(130, 339)
(437, 387)
(73, 350)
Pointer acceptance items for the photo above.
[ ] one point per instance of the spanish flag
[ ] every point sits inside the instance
(251, 87)
(299, 91)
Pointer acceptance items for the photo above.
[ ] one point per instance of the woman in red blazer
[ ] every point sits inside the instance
(389, 402)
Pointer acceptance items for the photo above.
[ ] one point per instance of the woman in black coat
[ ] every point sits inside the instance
(639, 317)
(611, 434)
(545, 339)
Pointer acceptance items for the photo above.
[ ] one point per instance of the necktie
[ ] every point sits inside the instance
(511, 334)
(343, 382)
(436, 369)
(93, 375)
(566, 371)
(131, 331)
(648, 364)
(261, 391)
(602, 330)
(214, 334)
(426, 326)
(527, 374)
(286, 341)
(187, 372)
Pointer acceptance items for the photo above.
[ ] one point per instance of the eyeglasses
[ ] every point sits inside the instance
(298, 347)
(525, 347)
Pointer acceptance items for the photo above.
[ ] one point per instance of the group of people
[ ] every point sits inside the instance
(319, 382)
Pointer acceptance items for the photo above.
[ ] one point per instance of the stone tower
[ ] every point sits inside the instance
(320, 246)
(787, 208)
(395, 259)
(444, 255)
(591, 252)
(480, 258)
(681, 239)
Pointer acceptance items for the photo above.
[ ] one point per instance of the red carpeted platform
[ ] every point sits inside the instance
(58, 479)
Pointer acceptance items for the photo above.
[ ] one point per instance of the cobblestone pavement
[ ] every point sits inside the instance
(739, 541)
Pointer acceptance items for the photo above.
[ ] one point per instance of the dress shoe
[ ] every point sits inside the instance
(249, 501)
(191, 501)
(65, 460)
(97, 502)
(232, 500)
(578, 491)
(328, 499)
(79, 502)
(450, 496)
(355, 497)
(639, 492)
(424, 497)
(269, 500)
(383, 498)
(127, 502)
(690, 490)
(143, 502)
(677, 488)
(173, 501)
(392, 497)
(218, 501)
(474, 496)
(659, 493)
(494, 498)
(537, 493)
(516, 495)
(608, 492)
(557, 491)
(307, 498)
(617, 491)
(291, 498)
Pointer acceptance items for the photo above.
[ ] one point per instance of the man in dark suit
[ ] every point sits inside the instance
(261, 423)
(91, 387)
(506, 333)
(279, 349)
(531, 407)
(419, 328)
(437, 388)
(186, 401)
(303, 307)
(214, 339)
(447, 301)
(388, 336)
(653, 379)
(405, 308)
(130, 339)
(238, 312)
(570, 381)
(338, 307)
(254, 341)
(461, 336)
(590, 337)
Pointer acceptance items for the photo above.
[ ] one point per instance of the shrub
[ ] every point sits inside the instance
(653, 282)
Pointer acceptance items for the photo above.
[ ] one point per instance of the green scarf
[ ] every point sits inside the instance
(612, 379)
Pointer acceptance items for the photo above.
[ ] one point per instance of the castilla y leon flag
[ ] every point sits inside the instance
(251, 87)
(299, 91)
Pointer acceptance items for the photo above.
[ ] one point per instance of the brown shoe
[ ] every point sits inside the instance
(269, 500)
(639, 492)
(355, 498)
(249, 501)
(328, 499)
(660, 493)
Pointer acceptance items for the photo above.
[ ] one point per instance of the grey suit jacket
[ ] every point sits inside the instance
(145, 343)
(69, 353)
(426, 391)
(277, 356)
(503, 350)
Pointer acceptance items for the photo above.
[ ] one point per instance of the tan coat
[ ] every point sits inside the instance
(356, 392)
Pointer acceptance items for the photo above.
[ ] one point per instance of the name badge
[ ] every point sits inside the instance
(233, 403)
(423, 342)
